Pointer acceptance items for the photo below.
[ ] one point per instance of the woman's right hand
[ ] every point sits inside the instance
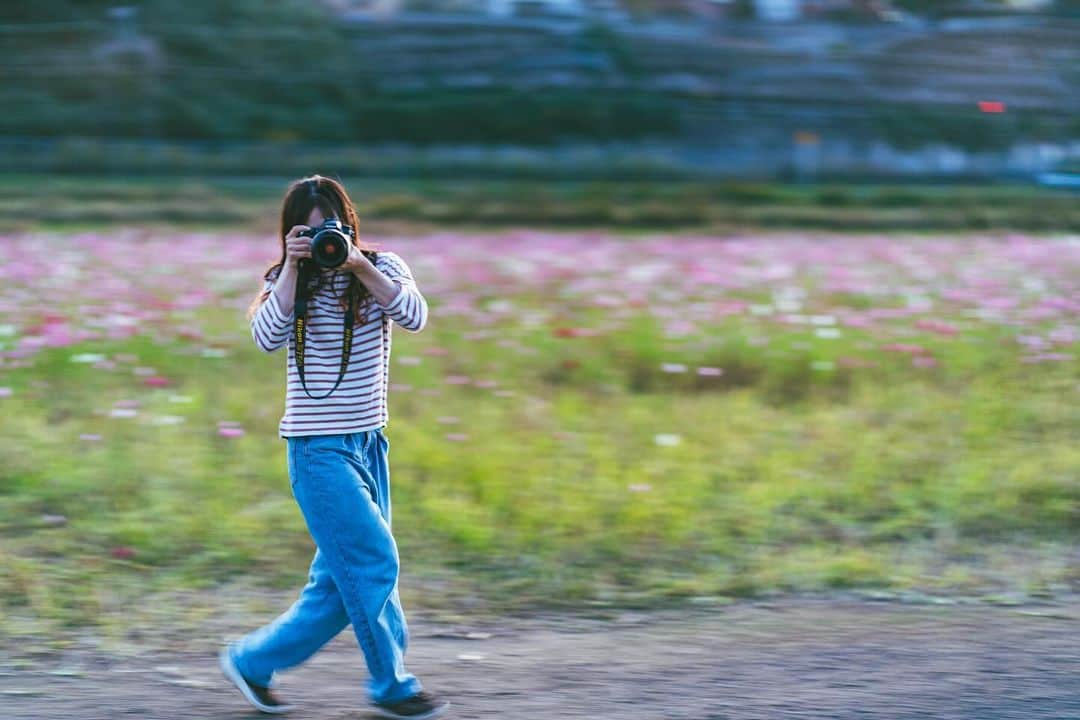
(297, 247)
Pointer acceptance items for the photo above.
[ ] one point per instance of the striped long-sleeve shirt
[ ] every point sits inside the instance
(360, 401)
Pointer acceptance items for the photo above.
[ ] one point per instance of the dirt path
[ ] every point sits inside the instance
(789, 658)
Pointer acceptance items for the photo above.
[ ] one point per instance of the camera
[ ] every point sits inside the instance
(329, 242)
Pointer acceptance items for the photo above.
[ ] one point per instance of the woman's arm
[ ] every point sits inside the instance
(381, 287)
(285, 288)
(272, 321)
(394, 289)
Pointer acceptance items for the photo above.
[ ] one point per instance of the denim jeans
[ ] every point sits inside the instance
(342, 485)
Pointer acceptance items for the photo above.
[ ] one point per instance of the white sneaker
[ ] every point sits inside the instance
(261, 697)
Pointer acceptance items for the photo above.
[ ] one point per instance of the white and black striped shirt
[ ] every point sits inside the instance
(360, 401)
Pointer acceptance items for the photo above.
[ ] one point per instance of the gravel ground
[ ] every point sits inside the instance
(785, 658)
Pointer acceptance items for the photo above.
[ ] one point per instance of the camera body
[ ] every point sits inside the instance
(329, 242)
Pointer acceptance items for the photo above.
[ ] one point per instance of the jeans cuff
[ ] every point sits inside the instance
(410, 689)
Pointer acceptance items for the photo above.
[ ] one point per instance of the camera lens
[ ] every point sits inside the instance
(329, 248)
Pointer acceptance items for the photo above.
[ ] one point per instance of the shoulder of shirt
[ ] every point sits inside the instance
(390, 261)
(388, 257)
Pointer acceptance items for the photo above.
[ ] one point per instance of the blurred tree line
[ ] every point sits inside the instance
(246, 69)
(250, 69)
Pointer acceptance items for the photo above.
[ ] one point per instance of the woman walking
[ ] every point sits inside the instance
(335, 412)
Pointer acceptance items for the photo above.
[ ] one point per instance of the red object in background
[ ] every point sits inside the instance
(905, 348)
(122, 552)
(574, 332)
(991, 106)
(47, 318)
(938, 326)
(189, 333)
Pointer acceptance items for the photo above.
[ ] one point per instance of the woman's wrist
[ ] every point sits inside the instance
(358, 264)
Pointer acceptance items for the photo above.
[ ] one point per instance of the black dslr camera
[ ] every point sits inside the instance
(329, 242)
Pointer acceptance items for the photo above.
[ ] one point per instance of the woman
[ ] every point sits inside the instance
(337, 454)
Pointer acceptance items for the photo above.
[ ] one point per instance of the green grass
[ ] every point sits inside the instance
(785, 477)
(211, 203)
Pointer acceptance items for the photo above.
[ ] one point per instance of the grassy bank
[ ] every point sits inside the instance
(28, 201)
(568, 495)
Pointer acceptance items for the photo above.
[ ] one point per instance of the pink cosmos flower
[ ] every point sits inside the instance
(904, 348)
(937, 326)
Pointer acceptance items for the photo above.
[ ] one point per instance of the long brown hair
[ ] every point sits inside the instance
(329, 195)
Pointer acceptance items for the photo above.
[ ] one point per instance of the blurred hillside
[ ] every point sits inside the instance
(718, 75)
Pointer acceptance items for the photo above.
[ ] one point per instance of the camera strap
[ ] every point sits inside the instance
(300, 323)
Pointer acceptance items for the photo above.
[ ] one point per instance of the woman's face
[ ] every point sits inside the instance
(315, 219)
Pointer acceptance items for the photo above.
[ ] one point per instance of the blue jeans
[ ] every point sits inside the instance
(342, 485)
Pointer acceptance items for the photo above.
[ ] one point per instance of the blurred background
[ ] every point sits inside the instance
(728, 298)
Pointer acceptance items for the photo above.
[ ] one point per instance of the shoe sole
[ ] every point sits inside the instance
(233, 675)
(437, 712)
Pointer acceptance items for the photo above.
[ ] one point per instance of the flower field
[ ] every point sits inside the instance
(586, 418)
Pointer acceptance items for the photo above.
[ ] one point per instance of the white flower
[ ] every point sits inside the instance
(87, 358)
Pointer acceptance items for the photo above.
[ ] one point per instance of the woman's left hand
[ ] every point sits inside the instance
(356, 260)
